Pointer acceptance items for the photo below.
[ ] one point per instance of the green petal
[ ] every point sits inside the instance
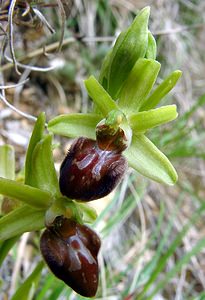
(75, 125)
(89, 214)
(145, 120)
(148, 160)
(25, 193)
(7, 162)
(21, 220)
(130, 46)
(43, 171)
(138, 85)
(36, 136)
(162, 90)
(152, 47)
(99, 96)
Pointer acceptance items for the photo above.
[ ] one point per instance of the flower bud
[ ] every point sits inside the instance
(71, 250)
(88, 172)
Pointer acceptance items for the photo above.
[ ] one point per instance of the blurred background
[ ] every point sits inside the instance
(153, 236)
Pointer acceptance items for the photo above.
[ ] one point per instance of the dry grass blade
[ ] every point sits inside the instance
(63, 15)
(27, 10)
(2, 29)
(43, 20)
(10, 33)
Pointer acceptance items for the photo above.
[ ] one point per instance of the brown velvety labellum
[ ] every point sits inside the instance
(89, 173)
(71, 250)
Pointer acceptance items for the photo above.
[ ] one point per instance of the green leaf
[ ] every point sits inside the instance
(177, 267)
(28, 288)
(162, 90)
(138, 84)
(170, 251)
(7, 162)
(120, 216)
(42, 166)
(104, 70)
(152, 47)
(130, 46)
(52, 289)
(151, 267)
(145, 120)
(20, 220)
(36, 136)
(25, 193)
(5, 248)
(147, 159)
(99, 95)
(75, 125)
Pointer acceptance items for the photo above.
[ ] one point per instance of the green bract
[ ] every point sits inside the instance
(130, 46)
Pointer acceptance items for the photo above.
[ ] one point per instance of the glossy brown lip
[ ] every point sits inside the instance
(88, 173)
(71, 250)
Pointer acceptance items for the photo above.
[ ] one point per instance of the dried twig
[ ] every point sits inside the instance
(28, 116)
(32, 68)
(11, 86)
(54, 46)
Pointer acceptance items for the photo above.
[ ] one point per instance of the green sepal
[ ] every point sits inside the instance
(142, 121)
(161, 91)
(36, 136)
(147, 159)
(75, 125)
(151, 52)
(7, 162)
(28, 288)
(138, 85)
(99, 96)
(43, 171)
(25, 193)
(20, 220)
(129, 47)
